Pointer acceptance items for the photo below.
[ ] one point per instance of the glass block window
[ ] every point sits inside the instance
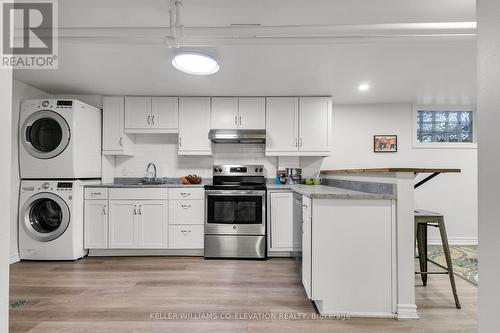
(444, 126)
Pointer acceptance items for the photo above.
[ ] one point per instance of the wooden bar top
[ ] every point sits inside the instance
(388, 170)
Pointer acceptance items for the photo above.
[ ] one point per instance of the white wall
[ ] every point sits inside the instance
(20, 91)
(489, 162)
(454, 195)
(5, 167)
(162, 150)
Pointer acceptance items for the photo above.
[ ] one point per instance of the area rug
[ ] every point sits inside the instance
(464, 259)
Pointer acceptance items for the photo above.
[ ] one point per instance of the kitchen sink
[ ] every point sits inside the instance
(154, 181)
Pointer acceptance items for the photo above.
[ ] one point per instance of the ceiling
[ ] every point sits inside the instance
(430, 70)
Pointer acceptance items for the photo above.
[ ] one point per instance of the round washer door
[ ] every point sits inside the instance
(45, 217)
(45, 134)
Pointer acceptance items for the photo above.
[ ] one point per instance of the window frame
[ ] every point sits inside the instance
(448, 145)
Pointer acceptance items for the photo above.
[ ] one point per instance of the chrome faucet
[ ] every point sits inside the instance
(149, 172)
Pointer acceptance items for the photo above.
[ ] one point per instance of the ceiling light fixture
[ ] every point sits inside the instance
(195, 62)
(364, 87)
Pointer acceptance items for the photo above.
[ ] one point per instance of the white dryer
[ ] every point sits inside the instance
(59, 139)
(51, 219)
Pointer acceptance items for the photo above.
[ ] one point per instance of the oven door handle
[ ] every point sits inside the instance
(234, 192)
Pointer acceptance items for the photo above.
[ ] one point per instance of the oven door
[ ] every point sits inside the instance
(235, 212)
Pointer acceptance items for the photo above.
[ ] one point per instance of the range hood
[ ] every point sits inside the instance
(255, 136)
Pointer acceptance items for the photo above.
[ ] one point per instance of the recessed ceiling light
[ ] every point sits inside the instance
(364, 87)
(195, 62)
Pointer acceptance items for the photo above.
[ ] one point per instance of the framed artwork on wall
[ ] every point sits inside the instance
(385, 143)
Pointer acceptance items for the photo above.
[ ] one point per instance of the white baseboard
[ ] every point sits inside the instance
(14, 258)
(453, 241)
(144, 252)
(407, 311)
(320, 305)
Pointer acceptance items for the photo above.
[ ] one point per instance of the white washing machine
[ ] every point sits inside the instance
(59, 139)
(51, 219)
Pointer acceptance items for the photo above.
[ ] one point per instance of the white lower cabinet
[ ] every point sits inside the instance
(186, 236)
(306, 245)
(122, 218)
(281, 215)
(186, 211)
(96, 224)
(186, 218)
(144, 218)
(152, 225)
(138, 224)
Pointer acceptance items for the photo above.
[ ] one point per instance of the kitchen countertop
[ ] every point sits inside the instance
(312, 191)
(382, 170)
(131, 182)
(114, 185)
(328, 192)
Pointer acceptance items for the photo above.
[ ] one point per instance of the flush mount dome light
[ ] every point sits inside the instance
(195, 62)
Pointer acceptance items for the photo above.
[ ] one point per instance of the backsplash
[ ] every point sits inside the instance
(162, 151)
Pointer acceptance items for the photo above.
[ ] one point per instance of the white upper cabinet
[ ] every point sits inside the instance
(224, 113)
(165, 114)
(315, 124)
(244, 113)
(252, 113)
(281, 125)
(137, 113)
(194, 125)
(115, 141)
(151, 114)
(298, 126)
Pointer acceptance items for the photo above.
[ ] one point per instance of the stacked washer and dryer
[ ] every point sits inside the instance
(59, 153)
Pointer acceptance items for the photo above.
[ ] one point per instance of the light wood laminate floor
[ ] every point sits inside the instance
(121, 294)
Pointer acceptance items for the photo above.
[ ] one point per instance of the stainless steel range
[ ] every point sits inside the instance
(235, 212)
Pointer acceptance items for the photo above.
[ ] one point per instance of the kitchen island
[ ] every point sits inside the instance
(366, 246)
(348, 245)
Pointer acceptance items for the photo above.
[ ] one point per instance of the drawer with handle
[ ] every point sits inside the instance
(186, 212)
(191, 193)
(96, 193)
(185, 236)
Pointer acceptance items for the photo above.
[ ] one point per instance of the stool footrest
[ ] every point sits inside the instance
(431, 272)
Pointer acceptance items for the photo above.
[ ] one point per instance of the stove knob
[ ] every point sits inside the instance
(220, 170)
(261, 170)
(45, 186)
(215, 169)
(256, 169)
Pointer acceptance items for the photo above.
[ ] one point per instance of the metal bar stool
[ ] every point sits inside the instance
(422, 220)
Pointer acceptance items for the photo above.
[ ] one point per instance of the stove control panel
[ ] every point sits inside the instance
(238, 170)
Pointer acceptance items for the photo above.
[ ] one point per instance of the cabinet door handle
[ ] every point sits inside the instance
(185, 231)
(235, 120)
(95, 193)
(305, 206)
(240, 120)
(135, 210)
(153, 119)
(185, 194)
(104, 212)
(301, 142)
(186, 206)
(140, 210)
(121, 141)
(180, 141)
(296, 142)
